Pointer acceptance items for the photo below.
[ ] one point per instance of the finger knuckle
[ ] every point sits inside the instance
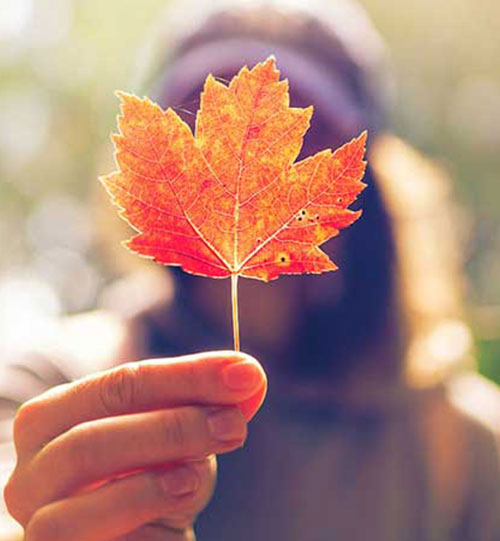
(9, 493)
(118, 389)
(193, 379)
(77, 453)
(13, 498)
(160, 530)
(16, 494)
(181, 522)
(207, 473)
(176, 429)
(45, 526)
(183, 511)
(189, 506)
(25, 418)
(171, 506)
(152, 489)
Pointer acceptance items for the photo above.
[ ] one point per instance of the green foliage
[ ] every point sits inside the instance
(489, 355)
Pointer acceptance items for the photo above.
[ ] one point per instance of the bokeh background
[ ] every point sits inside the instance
(61, 60)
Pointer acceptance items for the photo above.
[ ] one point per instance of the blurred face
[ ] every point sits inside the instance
(272, 314)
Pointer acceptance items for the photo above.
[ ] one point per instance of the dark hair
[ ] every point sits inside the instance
(365, 312)
(363, 319)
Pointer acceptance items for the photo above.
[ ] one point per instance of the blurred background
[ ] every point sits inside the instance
(61, 60)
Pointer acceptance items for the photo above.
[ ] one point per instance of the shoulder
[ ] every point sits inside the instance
(466, 407)
(460, 427)
(476, 402)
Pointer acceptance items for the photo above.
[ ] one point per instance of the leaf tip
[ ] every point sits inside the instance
(212, 79)
(102, 180)
(363, 138)
(122, 95)
(210, 84)
(105, 181)
(270, 61)
(333, 267)
(270, 66)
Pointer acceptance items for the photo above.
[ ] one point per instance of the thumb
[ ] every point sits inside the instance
(251, 405)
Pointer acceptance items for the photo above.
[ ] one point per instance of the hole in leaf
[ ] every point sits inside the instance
(303, 212)
(340, 199)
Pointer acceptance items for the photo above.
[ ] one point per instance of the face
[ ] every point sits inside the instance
(272, 314)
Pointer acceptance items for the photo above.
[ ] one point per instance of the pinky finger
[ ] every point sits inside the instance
(122, 508)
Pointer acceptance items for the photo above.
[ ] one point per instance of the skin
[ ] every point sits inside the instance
(129, 453)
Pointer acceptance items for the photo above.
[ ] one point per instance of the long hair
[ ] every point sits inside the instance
(400, 274)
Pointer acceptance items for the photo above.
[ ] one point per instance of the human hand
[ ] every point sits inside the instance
(129, 453)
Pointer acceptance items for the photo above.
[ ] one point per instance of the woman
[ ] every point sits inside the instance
(372, 428)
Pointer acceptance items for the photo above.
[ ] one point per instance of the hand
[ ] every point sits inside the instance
(129, 453)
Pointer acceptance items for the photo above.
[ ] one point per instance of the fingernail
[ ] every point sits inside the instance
(241, 376)
(180, 481)
(227, 424)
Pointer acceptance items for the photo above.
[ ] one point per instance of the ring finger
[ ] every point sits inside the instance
(101, 449)
(122, 506)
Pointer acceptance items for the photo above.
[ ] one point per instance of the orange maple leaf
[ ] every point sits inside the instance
(230, 201)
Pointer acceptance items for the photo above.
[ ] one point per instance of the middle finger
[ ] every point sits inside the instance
(125, 505)
(104, 448)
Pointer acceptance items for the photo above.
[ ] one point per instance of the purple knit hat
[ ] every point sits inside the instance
(332, 57)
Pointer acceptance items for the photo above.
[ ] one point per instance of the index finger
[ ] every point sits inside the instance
(213, 378)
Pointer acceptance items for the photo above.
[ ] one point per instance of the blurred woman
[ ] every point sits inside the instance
(375, 425)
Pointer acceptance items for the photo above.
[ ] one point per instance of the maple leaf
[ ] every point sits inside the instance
(229, 200)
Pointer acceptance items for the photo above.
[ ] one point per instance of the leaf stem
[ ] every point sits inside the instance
(234, 302)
